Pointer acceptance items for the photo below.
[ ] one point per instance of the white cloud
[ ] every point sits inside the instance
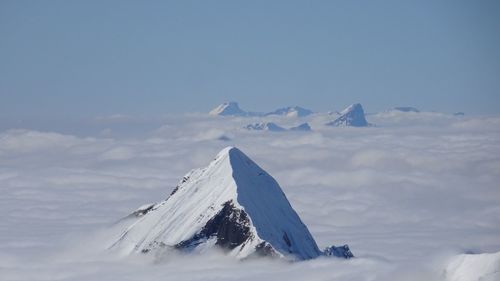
(25, 141)
(118, 153)
(397, 195)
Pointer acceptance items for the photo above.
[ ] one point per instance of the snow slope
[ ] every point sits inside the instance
(474, 267)
(233, 200)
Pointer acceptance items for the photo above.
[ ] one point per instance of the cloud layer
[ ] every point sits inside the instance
(405, 195)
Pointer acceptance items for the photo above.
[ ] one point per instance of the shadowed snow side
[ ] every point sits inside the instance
(272, 215)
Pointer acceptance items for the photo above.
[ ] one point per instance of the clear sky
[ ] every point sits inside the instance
(95, 58)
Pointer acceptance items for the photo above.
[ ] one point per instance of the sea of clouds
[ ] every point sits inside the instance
(408, 195)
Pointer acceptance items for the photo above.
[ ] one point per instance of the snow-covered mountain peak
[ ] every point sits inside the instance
(353, 115)
(228, 109)
(238, 161)
(232, 203)
(225, 152)
(353, 108)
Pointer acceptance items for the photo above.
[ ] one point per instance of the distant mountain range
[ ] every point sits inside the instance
(352, 116)
(233, 109)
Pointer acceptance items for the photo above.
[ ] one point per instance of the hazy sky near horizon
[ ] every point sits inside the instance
(97, 58)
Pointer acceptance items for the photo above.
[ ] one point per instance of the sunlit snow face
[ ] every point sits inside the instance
(405, 195)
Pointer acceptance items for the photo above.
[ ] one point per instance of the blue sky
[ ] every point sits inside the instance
(95, 58)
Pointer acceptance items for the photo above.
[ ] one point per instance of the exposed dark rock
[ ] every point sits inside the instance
(230, 226)
(174, 191)
(265, 249)
(154, 245)
(142, 211)
(341, 252)
(184, 179)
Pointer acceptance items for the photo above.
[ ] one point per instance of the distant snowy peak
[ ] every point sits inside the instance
(291, 111)
(228, 109)
(352, 116)
(232, 204)
(265, 126)
(355, 108)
